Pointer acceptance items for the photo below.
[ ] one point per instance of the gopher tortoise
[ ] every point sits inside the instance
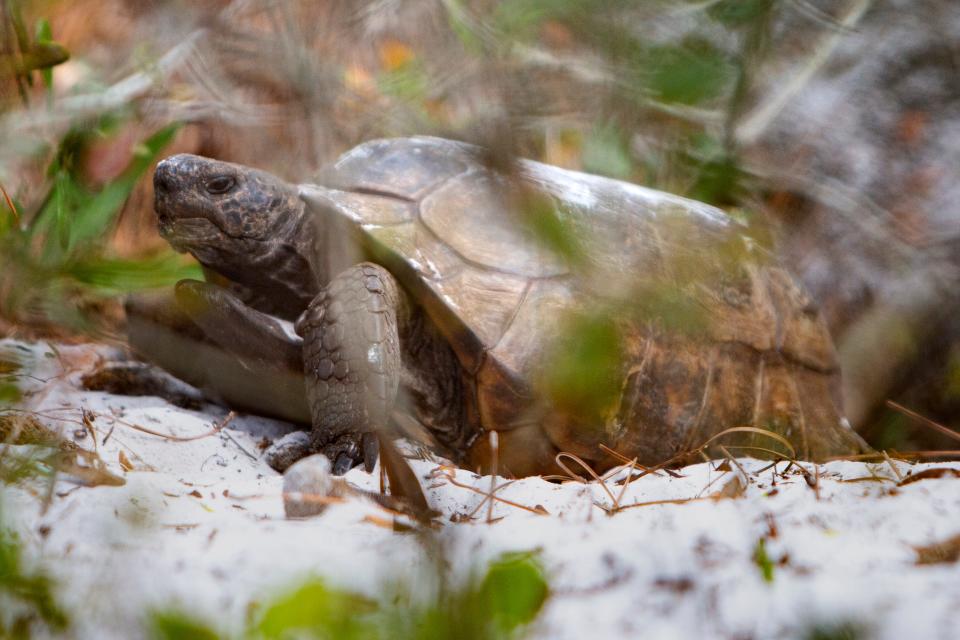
(414, 283)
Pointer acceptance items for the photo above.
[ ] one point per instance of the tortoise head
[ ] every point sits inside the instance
(216, 210)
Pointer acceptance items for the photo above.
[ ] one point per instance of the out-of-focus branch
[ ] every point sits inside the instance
(117, 95)
(756, 122)
(857, 208)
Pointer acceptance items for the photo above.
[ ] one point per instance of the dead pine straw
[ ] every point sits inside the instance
(726, 492)
(905, 456)
(448, 474)
(10, 205)
(88, 416)
(494, 463)
(217, 428)
(560, 462)
(927, 422)
(889, 462)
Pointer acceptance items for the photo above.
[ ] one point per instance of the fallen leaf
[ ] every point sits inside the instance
(927, 474)
(944, 551)
(733, 488)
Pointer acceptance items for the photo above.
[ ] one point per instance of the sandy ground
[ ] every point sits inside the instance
(199, 525)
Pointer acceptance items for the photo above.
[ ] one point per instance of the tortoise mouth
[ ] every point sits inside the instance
(188, 234)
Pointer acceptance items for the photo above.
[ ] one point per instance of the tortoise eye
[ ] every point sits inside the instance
(220, 184)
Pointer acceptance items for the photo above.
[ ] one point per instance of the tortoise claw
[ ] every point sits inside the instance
(343, 464)
(343, 452)
(371, 449)
(287, 450)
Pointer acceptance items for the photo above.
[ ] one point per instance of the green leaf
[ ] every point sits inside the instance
(457, 17)
(43, 32)
(763, 561)
(317, 611)
(717, 176)
(583, 371)
(514, 590)
(75, 220)
(112, 276)
(176, 625)
(691, 73)
(9, 393)
(735, 13)
(44, 35)
(718, 182)
(93, 219)
(539, 212)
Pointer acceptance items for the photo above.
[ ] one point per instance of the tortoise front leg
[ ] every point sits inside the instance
(205, 335)
(351, 351)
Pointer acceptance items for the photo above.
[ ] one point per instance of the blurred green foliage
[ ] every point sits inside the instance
(61, 257)
(27, 598)
(56, 262)
(736, 13)
(176, 625)
(513, 591)
(693, 86)
(316, 610)
(690, 73)
(540, 214)
(73, 215)
(10, 365)
(497, 606)
(19, 464)
(953, 374)
(21, 57)
(584, 371)
(841, 630)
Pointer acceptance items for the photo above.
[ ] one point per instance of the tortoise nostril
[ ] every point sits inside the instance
(161, 180)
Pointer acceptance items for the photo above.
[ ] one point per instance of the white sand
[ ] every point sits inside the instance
(199, 525)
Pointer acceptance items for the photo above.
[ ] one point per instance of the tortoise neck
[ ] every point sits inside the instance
(282, 270)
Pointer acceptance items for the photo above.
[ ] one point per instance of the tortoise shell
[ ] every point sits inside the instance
(460, 238)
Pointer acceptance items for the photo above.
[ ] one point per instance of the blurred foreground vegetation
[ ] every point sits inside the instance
(495, 606)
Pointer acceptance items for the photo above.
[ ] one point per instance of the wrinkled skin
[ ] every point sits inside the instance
(234, 220)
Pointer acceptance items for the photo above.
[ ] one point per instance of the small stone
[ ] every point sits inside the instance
(306, 486)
